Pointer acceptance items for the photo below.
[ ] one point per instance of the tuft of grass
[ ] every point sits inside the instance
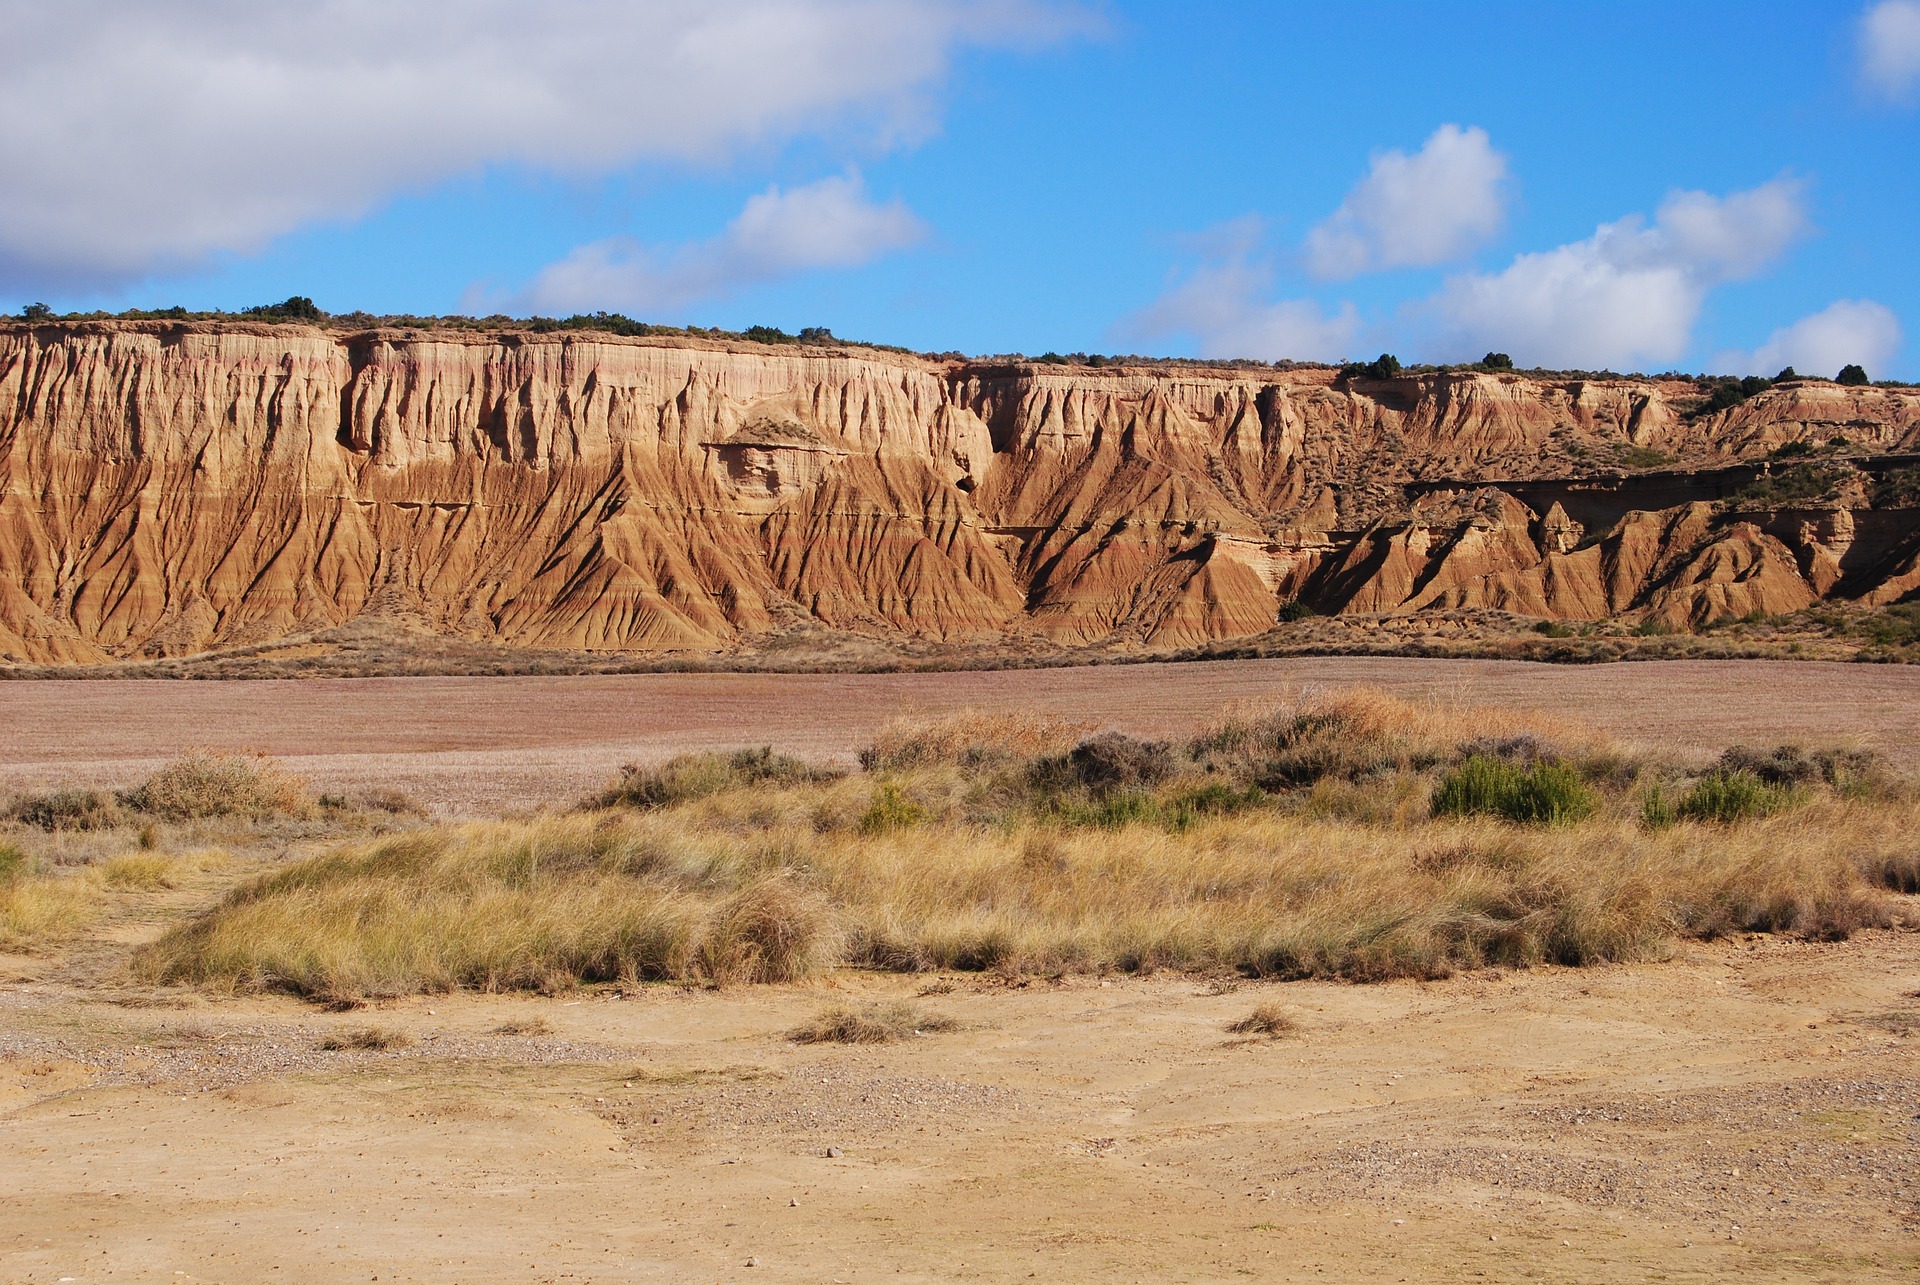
(874, 1024)
(1543, 793)
(37, 906)
(1269, 1020)
(1724, 797)
(365, 1039)
(138, 872)
(198, 785)
(542, 905)
(525, 1026)
(687, 777)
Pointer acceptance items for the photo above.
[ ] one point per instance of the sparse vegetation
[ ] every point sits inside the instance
(1340, 834)
(1797, 483)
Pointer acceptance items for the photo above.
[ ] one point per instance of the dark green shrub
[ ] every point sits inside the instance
(1497, 361)
(1725, 797)
(1543, 793)
(1852, 377)
(1295, 611)
(36, 312)
(297, 308)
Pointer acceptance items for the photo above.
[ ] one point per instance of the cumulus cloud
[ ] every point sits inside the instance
(1890, 47)
(1223, 307)
(1846, 332)
(144, 138)
(1435, 206)
(1627, 295)
(828, 224)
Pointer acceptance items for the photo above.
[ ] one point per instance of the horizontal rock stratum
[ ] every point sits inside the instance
(173, 487)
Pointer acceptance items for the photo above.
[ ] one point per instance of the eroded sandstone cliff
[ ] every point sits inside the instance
(167, 488)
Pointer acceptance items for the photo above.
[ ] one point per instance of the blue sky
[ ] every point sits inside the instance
(1221, 179)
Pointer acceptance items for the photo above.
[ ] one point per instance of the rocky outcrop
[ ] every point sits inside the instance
(168, 488)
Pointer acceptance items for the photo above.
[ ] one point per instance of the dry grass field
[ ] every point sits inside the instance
(1326, 984)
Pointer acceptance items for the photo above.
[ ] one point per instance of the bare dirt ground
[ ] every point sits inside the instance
(1749, 1110)
(485, 745)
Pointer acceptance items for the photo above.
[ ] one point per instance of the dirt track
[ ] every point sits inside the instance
(474, 745)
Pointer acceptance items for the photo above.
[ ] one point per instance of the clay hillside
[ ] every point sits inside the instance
(175, 487)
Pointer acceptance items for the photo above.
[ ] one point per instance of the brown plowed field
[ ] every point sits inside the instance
(475, 745)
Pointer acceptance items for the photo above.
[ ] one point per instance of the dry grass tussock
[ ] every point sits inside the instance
(365, 1039)
(1339, 834)
(968, 739)
(1268, 1020)
(873, 1024)
(196, 786)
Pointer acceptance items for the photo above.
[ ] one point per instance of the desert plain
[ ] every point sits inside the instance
(1738, 1105)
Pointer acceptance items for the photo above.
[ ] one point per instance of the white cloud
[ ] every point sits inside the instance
(1435, 206)
(1222, 306)
(828, 224)
(1890, 47)
(1627, 295)
(1846, 332)
(145, 138)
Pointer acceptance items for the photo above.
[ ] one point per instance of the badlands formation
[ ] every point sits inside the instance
(169, 488)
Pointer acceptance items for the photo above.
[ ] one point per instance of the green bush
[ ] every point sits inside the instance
(13, 865)
(891, 810)
(1725, 797)
(1543, 793)
(1656, 809)
(1852, 377)
(1296, 610)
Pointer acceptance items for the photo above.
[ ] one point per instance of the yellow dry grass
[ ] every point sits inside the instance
(968, 738)
(556, 901)
(39, 908)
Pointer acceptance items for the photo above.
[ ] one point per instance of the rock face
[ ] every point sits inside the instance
(167, 488)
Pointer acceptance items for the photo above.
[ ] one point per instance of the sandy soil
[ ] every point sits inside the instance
(1747, 1111)
(476, 745)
